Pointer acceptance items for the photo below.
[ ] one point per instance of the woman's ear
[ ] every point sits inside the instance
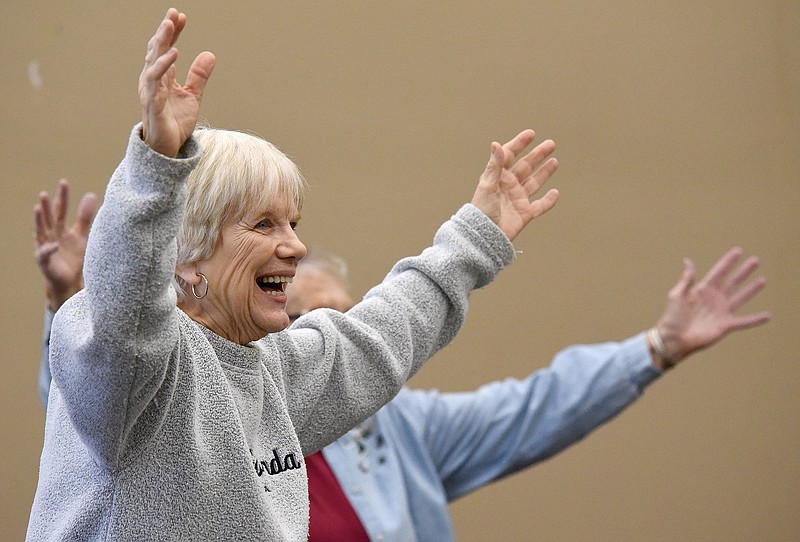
(188, 273)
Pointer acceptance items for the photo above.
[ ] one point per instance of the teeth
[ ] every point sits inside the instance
(273, 292)
(274, 279)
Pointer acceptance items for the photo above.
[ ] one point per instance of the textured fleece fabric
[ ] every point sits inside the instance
(159, 429)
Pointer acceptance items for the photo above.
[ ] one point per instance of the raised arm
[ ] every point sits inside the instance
(475, 438)
(111, 343)
(169, 110)
(426, 296)
(59, 255)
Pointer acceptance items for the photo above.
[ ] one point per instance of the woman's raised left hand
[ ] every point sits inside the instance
(507, 187)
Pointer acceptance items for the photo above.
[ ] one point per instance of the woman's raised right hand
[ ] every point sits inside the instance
(169, 110)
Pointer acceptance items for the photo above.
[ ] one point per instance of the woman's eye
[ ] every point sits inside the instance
(262, 225)
(293, 225)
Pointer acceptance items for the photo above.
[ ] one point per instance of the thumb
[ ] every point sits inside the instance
(495, 165)
(199, 73)
(687, 277)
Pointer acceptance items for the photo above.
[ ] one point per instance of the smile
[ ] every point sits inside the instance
(273, 285)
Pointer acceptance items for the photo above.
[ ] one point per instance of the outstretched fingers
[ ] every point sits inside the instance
(179, 21)
(43, 224)
(161, 54)
(41, 218)
(741, 275)
(736, 287)
(169, 109)
(61, 204)
(535, 181)
(719, 271)
(533, 170)
(748, 292)
(507, 185)
(749, 320)
(518, 144)
(529, 163)
(49, 215)
(540, 206)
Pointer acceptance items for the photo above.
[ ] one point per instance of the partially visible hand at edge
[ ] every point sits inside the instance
(60, 250)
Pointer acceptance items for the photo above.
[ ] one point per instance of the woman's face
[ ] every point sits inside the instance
(247, 275)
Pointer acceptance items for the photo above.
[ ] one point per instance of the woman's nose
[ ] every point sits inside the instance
(291, 246)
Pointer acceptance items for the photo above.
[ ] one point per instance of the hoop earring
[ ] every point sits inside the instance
(205, 281)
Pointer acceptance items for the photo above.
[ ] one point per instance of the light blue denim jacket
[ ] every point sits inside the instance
(402, 467)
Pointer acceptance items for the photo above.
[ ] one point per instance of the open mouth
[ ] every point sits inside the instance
(273, 284)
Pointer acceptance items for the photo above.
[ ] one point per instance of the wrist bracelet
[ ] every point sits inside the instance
(654, 337)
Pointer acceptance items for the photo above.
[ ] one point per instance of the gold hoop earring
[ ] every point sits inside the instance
(205, 282)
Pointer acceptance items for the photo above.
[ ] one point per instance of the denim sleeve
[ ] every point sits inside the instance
(44, 362)
(478, 437)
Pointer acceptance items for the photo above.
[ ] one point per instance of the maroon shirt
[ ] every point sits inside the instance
(332, 517)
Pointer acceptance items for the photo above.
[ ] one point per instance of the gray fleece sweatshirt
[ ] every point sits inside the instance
(159, 429)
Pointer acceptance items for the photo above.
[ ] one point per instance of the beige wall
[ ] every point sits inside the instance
(678, 125)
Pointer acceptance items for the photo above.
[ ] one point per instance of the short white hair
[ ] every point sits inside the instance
(237, 173)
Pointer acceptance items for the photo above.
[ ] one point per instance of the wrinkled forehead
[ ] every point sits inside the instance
(247, 174)
(278, 208)
(266, 193)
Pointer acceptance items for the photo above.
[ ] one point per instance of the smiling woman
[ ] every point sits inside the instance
(237, 173)
(254, 256)
(237, 237)
(191, 422)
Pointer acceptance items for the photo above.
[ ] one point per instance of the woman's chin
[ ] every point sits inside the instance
(274, 321)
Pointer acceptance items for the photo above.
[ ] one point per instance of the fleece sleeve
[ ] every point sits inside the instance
(368, 353)
(112, 342)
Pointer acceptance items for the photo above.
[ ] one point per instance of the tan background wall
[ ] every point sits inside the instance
(678, 126)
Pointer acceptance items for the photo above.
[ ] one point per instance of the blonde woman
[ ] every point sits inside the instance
(179, 409)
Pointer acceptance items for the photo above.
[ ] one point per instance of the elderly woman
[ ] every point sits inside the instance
(191, 422)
